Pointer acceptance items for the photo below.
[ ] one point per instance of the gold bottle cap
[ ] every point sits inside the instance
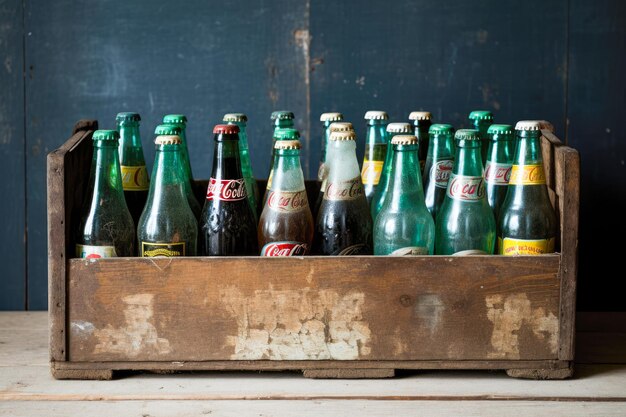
(404, 140)
(167, 140)
(331, 117)
(420, 115)
(341, 127)
(287, 144)
(399, 128)
(342, 136)
(376, 115)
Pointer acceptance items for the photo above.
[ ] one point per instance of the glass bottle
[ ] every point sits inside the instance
(422, 120)
(498, 165)
(180, 120)
(375, 151)
(252, 188)
(106, 228)
(327, 119)
(527, 219)
(438, 166)
(481, 120)
(168, 226)
(283, 133)
(465, 225)
(404, 226)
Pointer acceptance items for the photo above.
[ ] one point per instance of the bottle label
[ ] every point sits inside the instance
(497, 173)
(410, 251)
(134, 178)
(527, 175)
(344, 190)
(95, 252)
(509, 246)
(466, 188)
(287, 201)
(226, 190)
(153, 250)
(440, 172)
(351, 250)
(370, 174)
(285, 249)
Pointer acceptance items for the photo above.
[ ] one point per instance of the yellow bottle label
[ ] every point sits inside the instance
(155, 250)
(370, 174)
(509, 246)
(527, 175)
(134, 178)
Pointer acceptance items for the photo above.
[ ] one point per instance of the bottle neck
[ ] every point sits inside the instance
(283, 123)
(468, 159)
(420, 128)
(129, 135)
(106, 173)
(324, 155)
(287, 171)
(482, 126)
(226, 162)
(343, 165)
(406, 183)
(441, 147)
(528, 149)
(376, 133)
(167, 166)
(243, 135)
(500, 151)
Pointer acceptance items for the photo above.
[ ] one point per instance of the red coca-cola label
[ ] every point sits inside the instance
(344, 190)
(287, 201)
(440, 172)
(497, 173)
(226, 190)
(466, 188)
(285, 249)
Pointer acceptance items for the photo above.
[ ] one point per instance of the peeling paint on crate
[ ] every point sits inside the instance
(509, 315)
(297, 325)
(138, 336)
(81, 328)
(429, 308)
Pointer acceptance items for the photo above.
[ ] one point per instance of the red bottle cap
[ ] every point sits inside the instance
(226, 129)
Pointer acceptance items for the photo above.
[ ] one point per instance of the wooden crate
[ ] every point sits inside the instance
(331, 317)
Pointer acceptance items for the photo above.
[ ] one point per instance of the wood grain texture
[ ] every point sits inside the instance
(64, 199)
(313, 308)
(12, 159)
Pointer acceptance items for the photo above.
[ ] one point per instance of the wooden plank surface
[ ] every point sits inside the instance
(314, 309)
(27, 389)
(12, 159)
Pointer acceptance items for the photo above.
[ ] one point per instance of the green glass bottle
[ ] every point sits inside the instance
(375, 151)
(422, 120)
(327, 119)
(106, 228)
(241, 120)
(168, 226)
(132, 163)
(465, 224)
(527, 221)
(180, 120)
(285, 133)
(173, 130)
(498, 165)
(438, 166)
(382, 189)
(281, 119)
(404, 226)
(481, 120)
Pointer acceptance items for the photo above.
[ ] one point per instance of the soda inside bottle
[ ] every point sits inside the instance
(375, 151)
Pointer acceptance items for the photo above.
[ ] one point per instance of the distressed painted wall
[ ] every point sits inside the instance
(66, 60)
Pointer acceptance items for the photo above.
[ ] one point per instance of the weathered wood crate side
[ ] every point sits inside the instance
(331, 317)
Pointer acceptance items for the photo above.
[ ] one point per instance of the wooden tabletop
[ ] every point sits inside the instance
(27, 388)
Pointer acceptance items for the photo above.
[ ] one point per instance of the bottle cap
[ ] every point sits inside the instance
(287, 144)
(376, 115)
(420, 115)
(331, 117)
(287, 133)
(342, 136)
(175, 119)
(504, 131)
(341, 127)
(226, 129)
(441, 129)
(399, 128)
(127, 116)
(467, 134)
(545, 125)
(481, 115)
(282, 115)
(235, 117)
(106, 135)
(167, 140)
(167, 130)
(404, 140)
(528, 125)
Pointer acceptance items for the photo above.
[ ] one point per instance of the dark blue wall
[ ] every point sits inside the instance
(64, 60)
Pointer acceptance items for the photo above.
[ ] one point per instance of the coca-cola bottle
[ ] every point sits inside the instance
(422, 121)
(286, 224)
(465, 223)
(498, 165)
(227, 224)
(481, 120)
(438, 167)
(283, 133)
(344, 223)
